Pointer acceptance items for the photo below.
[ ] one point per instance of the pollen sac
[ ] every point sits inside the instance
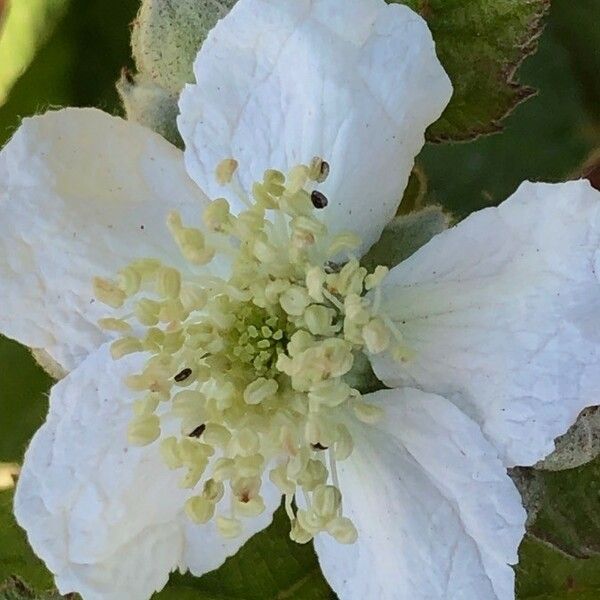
(249, 362)
(319, 199)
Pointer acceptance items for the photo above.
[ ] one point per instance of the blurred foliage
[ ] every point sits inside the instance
(548, 137)
(23, 390)
(25, 28)
(78, 65)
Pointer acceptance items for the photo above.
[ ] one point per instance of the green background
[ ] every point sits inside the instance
(72, 53)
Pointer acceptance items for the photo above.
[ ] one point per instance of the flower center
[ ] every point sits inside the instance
(245, 375)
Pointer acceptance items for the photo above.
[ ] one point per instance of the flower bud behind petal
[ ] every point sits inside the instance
(150, 105)
(167, 35)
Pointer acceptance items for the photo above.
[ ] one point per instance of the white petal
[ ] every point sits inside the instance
(502, 312)
(436, 513)
(81, 194)
(354, 82)
(108, 518)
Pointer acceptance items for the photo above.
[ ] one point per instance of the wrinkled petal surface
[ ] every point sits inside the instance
(436, 513)
(502, 313)
(354, 82)
(107, 518)
(81, 194)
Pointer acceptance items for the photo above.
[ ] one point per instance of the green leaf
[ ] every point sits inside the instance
(481, 43)
(546, 139)
(269, 567)
(404, 235)
(16, 557)
(545, 573)
(567, 508)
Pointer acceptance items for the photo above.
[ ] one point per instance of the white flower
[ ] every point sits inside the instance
(491, 329)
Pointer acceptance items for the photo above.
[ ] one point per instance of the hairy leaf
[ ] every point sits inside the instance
(404, 235)
(580, 445)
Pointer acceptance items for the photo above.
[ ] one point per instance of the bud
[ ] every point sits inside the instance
(150, 105)
(167, 35)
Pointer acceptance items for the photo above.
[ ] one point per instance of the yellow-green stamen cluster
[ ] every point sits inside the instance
(251, 366)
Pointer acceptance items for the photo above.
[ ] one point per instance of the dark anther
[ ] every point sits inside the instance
(198, 431)
(318, 446)
(183, 375)
(318, 199)
(324, 171)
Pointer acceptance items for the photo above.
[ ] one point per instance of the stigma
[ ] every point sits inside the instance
(251, 364)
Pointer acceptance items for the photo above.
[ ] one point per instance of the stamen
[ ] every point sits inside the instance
(252, 365)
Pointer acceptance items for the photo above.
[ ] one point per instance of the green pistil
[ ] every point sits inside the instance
(257, 338)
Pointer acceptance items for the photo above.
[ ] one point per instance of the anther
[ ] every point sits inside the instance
(319, 199)
(183, 375)
(324, 172)
(318, 169)
(198, 431)
(225, 170)
(319, 446)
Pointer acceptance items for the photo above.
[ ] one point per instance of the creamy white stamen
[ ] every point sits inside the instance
(252, 366)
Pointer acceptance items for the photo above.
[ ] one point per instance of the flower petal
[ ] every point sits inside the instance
(81, 194)
(502, 314)
(108, 518)
(354, 82)
(436, 513)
